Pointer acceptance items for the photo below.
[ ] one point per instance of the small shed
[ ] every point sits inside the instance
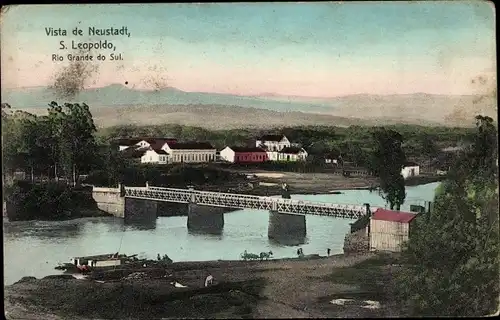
(389, 229)
(410, 169)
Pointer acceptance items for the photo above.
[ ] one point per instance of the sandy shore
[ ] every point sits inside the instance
(290, 288)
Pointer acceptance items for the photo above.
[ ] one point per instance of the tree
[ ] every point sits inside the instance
(73, 147)
(428, 147)
(451, 259)
(387, 161)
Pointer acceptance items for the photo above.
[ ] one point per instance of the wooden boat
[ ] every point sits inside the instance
(103, 261)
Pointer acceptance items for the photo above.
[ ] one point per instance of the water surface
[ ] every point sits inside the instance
(33, 248)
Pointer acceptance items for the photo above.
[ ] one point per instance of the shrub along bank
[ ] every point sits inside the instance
(49, 201)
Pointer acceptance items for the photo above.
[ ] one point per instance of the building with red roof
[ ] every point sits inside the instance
(243, 154)
(389, 229)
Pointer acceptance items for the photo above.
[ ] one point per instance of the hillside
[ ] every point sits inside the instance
(118, 104)
(208, 116)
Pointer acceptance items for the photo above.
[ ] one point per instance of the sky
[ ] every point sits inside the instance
(304, 49)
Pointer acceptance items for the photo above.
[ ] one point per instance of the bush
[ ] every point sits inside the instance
(49, 201)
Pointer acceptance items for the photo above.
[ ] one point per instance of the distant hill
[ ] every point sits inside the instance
(418, 108)
(119, 95)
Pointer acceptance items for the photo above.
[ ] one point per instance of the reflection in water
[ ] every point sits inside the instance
(140, 224)
(289, 241)
(200, 231)
(42, 229)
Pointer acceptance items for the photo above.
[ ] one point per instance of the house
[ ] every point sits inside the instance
(155, 155)
(134, 152)
(292, 154)
(190, 152)
(272, 144)
(142, 142)
(389, 229)
(410, 169)
(243, 154)
(332, 158)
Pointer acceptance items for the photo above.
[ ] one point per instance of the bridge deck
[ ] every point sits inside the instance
(242, 201)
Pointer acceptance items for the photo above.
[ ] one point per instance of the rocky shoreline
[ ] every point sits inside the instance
(336, 286)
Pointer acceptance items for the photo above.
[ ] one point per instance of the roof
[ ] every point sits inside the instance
(271, 137)
(293, 150)
(134, 151)
(157, 144)
(191, 145)
(161, 141)
(160, 151)
(150, 140)
(247, 149)
(394, 216)
(127, 141)
(410, 164)
(332, 155)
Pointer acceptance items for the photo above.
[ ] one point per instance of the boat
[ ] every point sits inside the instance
(102, 261)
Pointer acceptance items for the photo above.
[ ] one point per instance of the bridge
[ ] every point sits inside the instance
(206, 209)
(243, 201)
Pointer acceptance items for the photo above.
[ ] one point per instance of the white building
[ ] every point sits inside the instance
(190, 152)
(410, 169)
(389, 229)
(272, 143)
(292, 154)
(155, 156)
(243, 154)
(143, 142)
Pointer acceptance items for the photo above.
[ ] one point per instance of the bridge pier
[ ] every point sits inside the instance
(109, 200)
(287, 229)
(140, 210)
(205, 218)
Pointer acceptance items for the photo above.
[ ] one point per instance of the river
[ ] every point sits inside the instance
(34, 248)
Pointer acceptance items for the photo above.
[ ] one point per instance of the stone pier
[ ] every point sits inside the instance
(205, 218)
(140, 210)
(109, 200)
(286, 228)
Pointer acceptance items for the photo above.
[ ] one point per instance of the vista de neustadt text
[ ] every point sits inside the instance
(91, 31)
(87, 57)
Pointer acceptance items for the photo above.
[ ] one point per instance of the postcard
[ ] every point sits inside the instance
(250, 160)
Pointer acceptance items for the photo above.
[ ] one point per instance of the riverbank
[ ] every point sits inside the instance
(287, 288)
(268, 183)
(51, 201)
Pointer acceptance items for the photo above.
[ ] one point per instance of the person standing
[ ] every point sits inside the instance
(328, 251)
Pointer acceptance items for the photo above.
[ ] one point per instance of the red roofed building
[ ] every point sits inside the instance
(389, 229)
(243, 154)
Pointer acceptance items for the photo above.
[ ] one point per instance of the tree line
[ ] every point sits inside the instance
(60, 144)
(354, 143)
(451, 261)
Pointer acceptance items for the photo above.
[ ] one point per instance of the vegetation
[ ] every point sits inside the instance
(387, 161)
(451, 262)
(61, 144)
(173, 175)
(354, 143)
(65, 143)
(50, 201)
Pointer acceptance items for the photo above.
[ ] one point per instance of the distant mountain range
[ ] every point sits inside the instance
(120, 95)
(418, 108)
